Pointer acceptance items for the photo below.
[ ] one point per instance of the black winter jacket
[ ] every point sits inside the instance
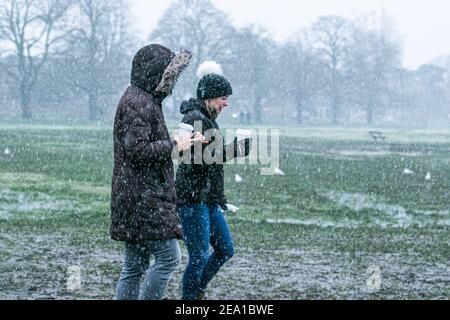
(203, 183)
(143, 199)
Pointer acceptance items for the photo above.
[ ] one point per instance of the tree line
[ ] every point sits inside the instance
(75, 55)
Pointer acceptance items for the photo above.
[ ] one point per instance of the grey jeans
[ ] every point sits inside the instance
(136, 262)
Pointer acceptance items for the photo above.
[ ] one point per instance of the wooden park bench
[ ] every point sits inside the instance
(377, 135)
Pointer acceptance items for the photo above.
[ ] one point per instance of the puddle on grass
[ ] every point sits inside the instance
(36, 204)
(357, 155)
(380, 214)
(376, 153)
(390, 215)
(323, 223)
(15, 204)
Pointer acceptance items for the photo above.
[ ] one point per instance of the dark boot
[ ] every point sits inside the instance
(201, 294)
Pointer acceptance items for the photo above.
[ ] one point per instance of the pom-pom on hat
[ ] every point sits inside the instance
(212, 83)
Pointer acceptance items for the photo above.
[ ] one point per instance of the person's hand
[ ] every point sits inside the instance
(183, 142)
(186, 142)
(199, 137)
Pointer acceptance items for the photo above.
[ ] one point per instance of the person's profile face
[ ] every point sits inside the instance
(220, 103)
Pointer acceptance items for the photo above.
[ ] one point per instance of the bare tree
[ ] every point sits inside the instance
(250, 68)
(303, 73)
(98, 47)
(373, 59)
(430, 97)
(331, 38)
(197, 25)
(29, 29)
(444, 62)
(200, 27)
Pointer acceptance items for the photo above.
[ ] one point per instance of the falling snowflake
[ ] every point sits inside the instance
(407, 171)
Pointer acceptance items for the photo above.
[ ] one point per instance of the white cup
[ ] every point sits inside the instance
(185, 129)
(243, 134)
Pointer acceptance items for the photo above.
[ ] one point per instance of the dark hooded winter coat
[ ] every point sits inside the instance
(143, 199)
(203, 183)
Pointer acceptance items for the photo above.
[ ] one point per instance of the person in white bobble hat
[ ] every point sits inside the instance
(200, 186)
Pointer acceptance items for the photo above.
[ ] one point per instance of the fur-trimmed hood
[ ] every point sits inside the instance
(170, 76)
(155, 69)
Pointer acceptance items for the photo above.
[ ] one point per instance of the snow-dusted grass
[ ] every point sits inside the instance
(344, 204)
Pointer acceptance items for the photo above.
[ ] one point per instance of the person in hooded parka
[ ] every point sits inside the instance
(143, 198)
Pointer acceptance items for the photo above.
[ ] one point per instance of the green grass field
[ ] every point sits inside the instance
(343, 205)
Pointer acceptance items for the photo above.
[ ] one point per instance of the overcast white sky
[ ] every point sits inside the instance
(423, 25)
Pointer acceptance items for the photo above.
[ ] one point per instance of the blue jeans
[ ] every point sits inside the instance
(204, 225)
(136, 262)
